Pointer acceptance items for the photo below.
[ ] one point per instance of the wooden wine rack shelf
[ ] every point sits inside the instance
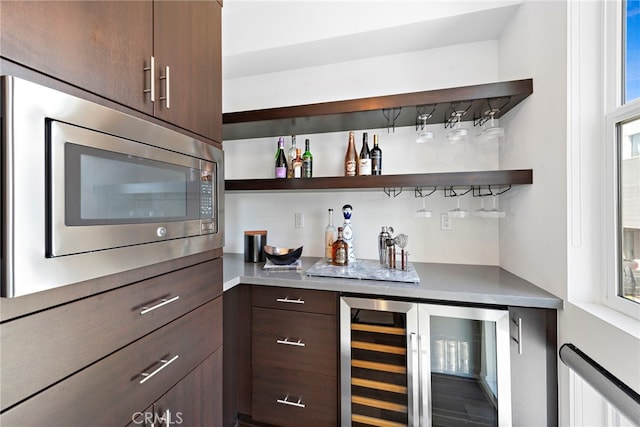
(439, 179)
(369, 113)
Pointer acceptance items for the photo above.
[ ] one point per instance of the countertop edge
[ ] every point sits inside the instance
(509, 290)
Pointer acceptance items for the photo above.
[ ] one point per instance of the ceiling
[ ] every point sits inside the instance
(265, 36)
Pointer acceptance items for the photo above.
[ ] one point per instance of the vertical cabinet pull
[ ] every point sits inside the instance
(167, 87)
(164, 362)
(152, 79)
(286, 341)
(162, 302)
(286, 401)
(290, 301)
(518, 340)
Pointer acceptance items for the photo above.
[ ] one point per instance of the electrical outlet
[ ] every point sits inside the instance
(445, 222)
(299, 220)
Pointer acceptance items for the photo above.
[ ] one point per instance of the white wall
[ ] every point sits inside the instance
(557, 241)
(472, 240)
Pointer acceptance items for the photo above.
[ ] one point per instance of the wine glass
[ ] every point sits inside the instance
(457, 132)
(494, 212)
(457, 212)
(424, 135)
(480, 212)
(424, 212)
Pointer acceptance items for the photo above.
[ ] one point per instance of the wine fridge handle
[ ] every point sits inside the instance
(518, 340)
(413, 365)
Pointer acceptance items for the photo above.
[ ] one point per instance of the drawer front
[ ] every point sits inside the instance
(294, 398)
(288, 339)
(110, 391)
(295, 299)
(43, 348)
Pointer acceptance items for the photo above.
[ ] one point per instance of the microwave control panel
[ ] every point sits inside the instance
(206, 199)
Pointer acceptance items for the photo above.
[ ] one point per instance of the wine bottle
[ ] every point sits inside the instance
(307, 161)
(297, 165)
(364, 162)
(339, 250)
(350, 158)
(291, 157)
(281, 160)
(376, 157)
(329, 237)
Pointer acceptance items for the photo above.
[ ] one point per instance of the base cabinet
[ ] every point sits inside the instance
(119, 355)
(195, 401)
(294, 357)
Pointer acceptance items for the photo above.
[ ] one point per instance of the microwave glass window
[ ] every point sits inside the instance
(104, 187)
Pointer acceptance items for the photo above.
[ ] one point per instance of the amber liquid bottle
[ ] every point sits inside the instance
(351, 158)
(339, 251)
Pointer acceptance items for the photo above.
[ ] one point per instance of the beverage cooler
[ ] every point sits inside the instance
(415, 364)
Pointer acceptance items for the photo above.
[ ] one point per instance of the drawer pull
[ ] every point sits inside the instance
(286, 401)
(165, 363)
(162, 302)
(290, 301)
(286, 341)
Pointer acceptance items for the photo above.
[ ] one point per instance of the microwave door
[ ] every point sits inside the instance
(109, 192)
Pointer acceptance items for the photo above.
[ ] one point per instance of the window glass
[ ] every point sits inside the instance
(629, 213)
(631, 53)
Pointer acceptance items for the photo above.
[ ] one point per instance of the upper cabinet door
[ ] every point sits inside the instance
(100, 46)
(188, 42)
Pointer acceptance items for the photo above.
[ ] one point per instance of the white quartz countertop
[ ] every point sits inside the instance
(438, 282)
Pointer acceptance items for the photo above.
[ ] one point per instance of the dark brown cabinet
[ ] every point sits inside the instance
(106, 48)
(125, 348)
(294, 347)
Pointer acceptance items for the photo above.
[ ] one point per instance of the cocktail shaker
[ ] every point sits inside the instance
(382, 243)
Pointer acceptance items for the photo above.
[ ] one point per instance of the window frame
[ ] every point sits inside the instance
(615, 112)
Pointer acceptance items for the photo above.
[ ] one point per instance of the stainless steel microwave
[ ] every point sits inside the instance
(88, 191)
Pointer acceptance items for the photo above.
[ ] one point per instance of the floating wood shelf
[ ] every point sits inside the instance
(367, 113)
(440, 179)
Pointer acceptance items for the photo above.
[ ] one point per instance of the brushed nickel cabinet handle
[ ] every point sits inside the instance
(290, 301)
(286, 401)
(162, 302)
(286, 341)
(167, 87)
(152, 79)
(164, 362)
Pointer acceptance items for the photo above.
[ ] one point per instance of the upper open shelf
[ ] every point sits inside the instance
(376, 112)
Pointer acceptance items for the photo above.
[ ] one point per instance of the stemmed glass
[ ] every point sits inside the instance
(424, 212)
(480, 212)
(494, 212)
(457, 212)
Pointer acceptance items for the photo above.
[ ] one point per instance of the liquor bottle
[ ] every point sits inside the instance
(281, 160)
(307, 161)
(351, 158)
(297, 165)
(291, 157)
(329, 238)
(347, 232)
(364, 162)
(376, 157)
(340, 250)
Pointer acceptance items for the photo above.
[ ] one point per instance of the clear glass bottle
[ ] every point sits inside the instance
(340, 250)
(376, 157)
(364, 161)
(351, 158)
(281, 160)
(307, 161)
(297, 165)
(291, 156)
(329, 238)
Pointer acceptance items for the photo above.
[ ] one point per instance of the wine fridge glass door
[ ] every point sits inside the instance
(465, 366)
